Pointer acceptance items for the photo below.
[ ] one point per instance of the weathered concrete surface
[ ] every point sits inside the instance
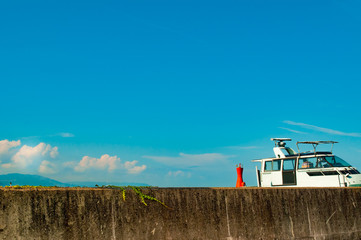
(197, 213)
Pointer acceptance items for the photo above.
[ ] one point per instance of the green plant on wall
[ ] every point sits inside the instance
(123, 189)
(137, 190)
(29, 187)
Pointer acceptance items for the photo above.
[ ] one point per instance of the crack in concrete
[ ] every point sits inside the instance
(229, 230)
(330, 217)
(113, 220)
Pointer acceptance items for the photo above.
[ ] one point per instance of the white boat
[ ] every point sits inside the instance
(305, 169)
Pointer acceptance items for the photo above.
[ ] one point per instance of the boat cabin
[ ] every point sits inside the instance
(305, 169)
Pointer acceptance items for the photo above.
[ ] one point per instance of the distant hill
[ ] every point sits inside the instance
(27, 179)
(92, 184)
(36, 180)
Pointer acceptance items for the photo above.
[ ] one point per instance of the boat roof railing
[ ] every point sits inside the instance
(315, 144)
(301, 155)
(279, 142)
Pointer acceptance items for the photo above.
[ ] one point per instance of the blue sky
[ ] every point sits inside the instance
(174, 93)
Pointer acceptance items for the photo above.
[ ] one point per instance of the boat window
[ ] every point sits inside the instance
(323, 173)
(330, 173)
(337, 162)
(307, 162)
(268, 166)
(314, 174)
(276, 166)
(350, 171)
(322, 162)
(288, 164)
(313, 162)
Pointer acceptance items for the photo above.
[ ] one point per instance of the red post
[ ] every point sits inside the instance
(240, 182)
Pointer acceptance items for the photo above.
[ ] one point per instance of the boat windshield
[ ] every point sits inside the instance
(322, 162)
(337, 162)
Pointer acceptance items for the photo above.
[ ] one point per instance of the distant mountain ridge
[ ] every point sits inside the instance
(27, 179)
(92, 184)
(37, 180)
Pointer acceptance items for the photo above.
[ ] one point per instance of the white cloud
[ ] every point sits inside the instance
(47, 167)
(242, 147)
(61, 134)
(27, 157)
(54, 152)
(104, 162)
(178, 173)
(6, 165)
(291, 130)
(6, 145)
(69, 164)
(66, 135)
(321, 129)
(190, 159)
(132, 168)
(31, 156)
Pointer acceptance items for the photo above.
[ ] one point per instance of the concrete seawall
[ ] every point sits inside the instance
(196, 213)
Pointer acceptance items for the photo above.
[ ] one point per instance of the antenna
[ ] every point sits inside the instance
(280, 142)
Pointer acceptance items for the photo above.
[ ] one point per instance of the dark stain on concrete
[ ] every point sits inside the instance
(194, 213)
